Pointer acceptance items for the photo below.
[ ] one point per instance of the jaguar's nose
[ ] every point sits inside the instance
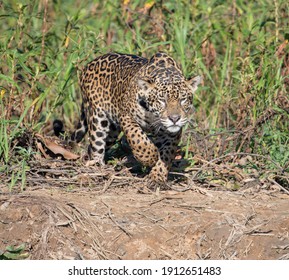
(174, 118)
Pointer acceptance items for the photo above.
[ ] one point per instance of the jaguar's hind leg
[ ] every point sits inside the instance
(98, 130)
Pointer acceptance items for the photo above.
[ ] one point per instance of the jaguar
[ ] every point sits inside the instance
(148, 99)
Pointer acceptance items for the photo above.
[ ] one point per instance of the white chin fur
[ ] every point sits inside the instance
(173, 128)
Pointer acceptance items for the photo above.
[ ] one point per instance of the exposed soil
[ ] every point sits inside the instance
(117, 217)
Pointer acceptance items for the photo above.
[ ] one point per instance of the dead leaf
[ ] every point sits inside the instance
(55, 148)
(40, 148)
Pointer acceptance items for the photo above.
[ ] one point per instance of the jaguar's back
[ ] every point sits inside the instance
(105, 79)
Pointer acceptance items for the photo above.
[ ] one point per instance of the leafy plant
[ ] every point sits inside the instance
(14, 253)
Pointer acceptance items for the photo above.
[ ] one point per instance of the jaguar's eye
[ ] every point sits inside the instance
(183, 101)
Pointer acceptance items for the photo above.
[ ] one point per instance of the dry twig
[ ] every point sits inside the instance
(115, 222)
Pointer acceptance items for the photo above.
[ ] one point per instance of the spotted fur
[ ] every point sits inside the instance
(139, 96)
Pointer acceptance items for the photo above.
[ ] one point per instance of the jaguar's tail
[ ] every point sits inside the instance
(78, 133)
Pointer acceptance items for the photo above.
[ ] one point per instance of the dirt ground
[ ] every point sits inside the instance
(107, 215)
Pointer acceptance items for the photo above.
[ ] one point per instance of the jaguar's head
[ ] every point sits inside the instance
(169, 100)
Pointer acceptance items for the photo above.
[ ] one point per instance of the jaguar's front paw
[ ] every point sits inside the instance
(158, 176)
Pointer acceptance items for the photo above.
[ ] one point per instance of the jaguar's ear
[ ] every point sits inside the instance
(143, 84)
(194, 82)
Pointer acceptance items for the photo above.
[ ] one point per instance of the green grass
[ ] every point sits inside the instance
(14, 253)
(235, 45)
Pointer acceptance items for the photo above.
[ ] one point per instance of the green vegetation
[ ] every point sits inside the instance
(240, 47)
(14, 253)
